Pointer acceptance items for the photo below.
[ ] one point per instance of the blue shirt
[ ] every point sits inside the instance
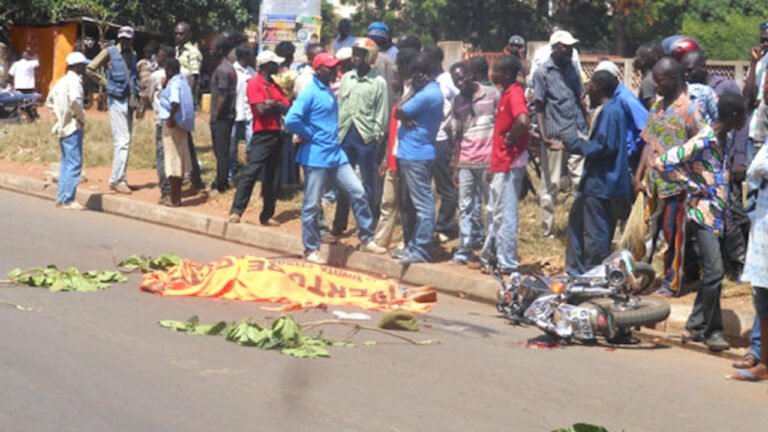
(705, 99)
(177, 91)
(637, 117)
(314, 116)
(426, 109)
(606, 173)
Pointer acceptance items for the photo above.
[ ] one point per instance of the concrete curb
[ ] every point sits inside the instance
(477, 288)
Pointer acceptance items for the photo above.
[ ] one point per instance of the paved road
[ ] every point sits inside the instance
(98, 361)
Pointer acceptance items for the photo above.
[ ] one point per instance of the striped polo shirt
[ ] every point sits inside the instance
(474, 118)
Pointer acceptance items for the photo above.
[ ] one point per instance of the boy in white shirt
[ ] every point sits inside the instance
(23, 72)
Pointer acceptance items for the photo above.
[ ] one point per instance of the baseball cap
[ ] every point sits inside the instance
(562, 37)
(378, 29)
(516, 40)
(608, 66)
(125, 32)
(344, 54)
(75, 58)
(267, 56)
(324, 59)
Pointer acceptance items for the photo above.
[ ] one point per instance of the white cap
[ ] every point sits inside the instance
(344, 53)
(268, 56)
(562, 37)
(75, 58)
(125, 32)
(608, 66)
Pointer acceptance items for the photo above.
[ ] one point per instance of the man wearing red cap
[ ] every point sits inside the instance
(314, 118)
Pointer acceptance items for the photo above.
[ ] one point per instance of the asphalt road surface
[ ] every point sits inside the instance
(99, 362)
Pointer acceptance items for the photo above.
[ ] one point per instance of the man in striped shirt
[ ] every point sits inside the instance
(474, 113)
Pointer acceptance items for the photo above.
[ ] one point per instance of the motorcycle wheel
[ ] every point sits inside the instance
(646, 274)
(648, 312)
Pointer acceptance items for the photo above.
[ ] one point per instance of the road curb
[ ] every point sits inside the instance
(477, 288)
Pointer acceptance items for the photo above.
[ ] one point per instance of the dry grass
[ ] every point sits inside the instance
(33, 142)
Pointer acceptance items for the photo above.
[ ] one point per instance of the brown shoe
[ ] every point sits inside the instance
(121, 188)
(234, 218)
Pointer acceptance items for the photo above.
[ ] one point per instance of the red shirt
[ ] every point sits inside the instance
(391, 148)
(512, 104)
(260, 90)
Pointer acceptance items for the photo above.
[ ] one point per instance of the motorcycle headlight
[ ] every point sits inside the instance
(616, 277)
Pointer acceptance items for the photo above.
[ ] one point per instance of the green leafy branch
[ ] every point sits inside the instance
(64, 280)
(285, 335)
(146, 264)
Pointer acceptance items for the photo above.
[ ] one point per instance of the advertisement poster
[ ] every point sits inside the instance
(296, 21)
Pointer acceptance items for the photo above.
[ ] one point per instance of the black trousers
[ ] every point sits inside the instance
(263, 165)
(221, 134)
(197, 180)
(706, 316)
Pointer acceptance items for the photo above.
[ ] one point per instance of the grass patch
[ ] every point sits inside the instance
(33, 142)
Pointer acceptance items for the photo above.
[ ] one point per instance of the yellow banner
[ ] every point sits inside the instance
(297, 283)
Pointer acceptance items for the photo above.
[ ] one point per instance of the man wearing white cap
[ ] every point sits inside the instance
(560, 113)
(65, 101)
(634, 111)
(267, 103)
(120, 81)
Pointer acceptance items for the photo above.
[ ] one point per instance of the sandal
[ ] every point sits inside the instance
(743, 376)
(748, 360)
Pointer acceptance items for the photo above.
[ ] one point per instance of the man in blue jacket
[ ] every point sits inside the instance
(605, 189)
(314, 118)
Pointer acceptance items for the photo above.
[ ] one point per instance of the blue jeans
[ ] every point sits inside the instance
(591, 224)
(360, 154)
(121, 118)
(503, 219)
(345, 179)
(418, 206)
(241, 130)
(71, 164)
(760, 297)
(473, 191)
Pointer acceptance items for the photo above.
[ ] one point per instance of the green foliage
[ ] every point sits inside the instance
(725, 37)
(285, 335)
(147, 264)
(192, 326)
(157, 15)
(65, 280)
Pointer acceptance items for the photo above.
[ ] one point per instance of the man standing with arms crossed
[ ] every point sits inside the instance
(363, 121)
(561, 114)
(120, 80)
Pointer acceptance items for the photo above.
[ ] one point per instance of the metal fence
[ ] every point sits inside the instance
(735, 70)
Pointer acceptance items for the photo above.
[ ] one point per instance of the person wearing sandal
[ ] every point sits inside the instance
(701, 166)
(756, 266)
(177, 112)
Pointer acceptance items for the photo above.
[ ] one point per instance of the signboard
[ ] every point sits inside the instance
(296, 21)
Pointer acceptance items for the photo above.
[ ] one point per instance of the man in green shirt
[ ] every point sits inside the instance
(363, 122)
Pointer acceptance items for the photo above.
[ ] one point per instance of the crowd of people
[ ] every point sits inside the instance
(382, 129)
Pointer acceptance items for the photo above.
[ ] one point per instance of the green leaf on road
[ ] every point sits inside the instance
(71, 279)
(192, 326)
(147, 264)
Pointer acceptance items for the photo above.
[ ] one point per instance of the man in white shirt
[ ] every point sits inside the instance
(66, 103)
(23, 73)
(243, 115)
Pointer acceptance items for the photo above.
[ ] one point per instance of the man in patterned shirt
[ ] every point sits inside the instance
(701, 165)
(672, 121)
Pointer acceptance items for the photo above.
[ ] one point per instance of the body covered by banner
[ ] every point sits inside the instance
(297, 283)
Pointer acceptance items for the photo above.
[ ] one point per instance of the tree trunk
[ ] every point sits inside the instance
(619, 34)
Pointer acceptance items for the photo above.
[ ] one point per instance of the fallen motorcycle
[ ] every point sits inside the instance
(604, 301)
